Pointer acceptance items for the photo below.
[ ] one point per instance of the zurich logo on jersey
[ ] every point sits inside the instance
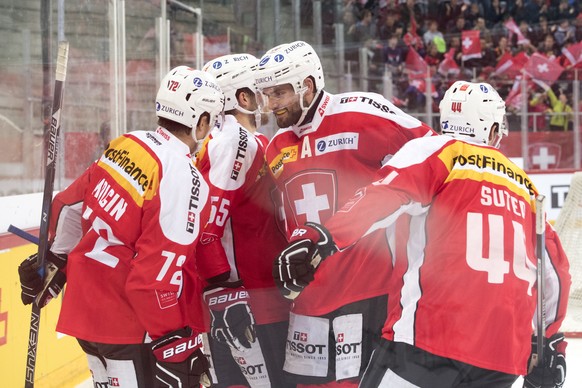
(158, 106)
(264, 60)
(321, 145)
(279, 58)
(445, 125)
(217, 65)
(197, 82)
(484, 88)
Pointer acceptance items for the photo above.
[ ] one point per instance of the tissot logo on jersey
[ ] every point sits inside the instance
(287, 155)
(122, 159)
(369, 101)
(337, 142)
(194, 200)
(241, 151)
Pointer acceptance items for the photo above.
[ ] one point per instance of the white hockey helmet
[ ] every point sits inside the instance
(233, 72)
(185, 94)
(290, 63)
(469, 110)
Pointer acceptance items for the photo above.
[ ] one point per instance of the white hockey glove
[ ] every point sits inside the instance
(180, 362)
(295, 266)
(41, 285)
(233, 322)
(551, 371)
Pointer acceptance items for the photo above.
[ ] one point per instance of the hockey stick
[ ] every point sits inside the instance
(51, 149)
(540, 253)
(23, 234)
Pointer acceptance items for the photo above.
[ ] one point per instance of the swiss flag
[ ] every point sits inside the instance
(514, 29)
(573, 53)
(448, 65)
(510, 66)
(471, 44)
(415, 65)
(542, 68)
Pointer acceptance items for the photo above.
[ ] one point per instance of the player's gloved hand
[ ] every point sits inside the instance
(233, 322)
(40, 286)
(551, 371)
(180, 361)
(295, 266)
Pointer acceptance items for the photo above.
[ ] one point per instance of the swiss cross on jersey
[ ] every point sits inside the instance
(312, 196)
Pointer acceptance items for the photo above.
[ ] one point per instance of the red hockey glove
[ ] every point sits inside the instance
(295, 266)
(40, 286)
(180, 361)
(551, 371)
(233, 322)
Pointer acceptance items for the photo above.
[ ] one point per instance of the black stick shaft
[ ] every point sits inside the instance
(51, 151)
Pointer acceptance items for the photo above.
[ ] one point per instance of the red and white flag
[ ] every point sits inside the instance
(542, 68)
(514, 29)
(448, 65)
(510, 66)
(415, 65)
(573, 53)
(471, 44)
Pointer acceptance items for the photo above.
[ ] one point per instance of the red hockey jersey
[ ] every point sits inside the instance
(319, 165)
(463, 285)
(242, 236)
(130, 225)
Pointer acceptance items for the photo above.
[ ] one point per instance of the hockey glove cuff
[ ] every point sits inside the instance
(551, 371)
(295, 266)
(179, 359)
(233, 322)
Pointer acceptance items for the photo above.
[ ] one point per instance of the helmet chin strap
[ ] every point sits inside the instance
(304, 109)
(256, 113)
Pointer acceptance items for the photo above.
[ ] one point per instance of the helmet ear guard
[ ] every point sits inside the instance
(473, 112)
(185, 94)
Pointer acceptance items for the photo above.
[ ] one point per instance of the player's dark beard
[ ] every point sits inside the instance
(290, 117)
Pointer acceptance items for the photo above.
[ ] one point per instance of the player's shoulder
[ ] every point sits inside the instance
(369, 104)
(417, 150)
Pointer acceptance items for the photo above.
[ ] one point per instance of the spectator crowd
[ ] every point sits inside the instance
(414, 38)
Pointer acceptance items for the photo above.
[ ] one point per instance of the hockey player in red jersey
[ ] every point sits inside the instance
(463, 289)
(129, 227)
(248, 315)
(328, 146)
